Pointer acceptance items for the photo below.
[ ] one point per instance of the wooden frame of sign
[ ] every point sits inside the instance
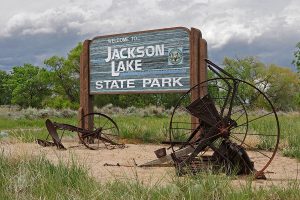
(181, 51)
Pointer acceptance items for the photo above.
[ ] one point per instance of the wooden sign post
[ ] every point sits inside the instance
(154, 61)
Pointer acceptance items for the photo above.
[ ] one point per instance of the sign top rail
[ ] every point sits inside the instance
(144, 31)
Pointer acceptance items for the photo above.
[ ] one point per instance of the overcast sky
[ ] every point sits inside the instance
(32, 30)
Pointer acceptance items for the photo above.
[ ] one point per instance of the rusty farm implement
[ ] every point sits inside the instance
(104, 132)
(223, 135)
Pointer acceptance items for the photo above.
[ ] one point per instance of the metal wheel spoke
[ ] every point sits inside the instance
(102, 124)
(107, 120)
(98, 142)
(256, 134)
(188, 129)
(226, 109)
(183, 109)
(113, 135)
(104, 129)
(251, 147)
(184, 123)
(87, 135)
(252, 120)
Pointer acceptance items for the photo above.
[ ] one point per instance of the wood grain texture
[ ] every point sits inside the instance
(195, 52)
(152, 66)
(195, 49)
(202, 74)
(85, 98)
(79, 117)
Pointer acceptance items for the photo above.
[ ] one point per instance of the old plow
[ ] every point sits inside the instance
(103, 132)
(218, 129)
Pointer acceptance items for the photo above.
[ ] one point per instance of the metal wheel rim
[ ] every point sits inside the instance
(273, 112)
(104, 137)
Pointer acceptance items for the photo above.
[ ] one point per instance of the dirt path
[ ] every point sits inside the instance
(281, 170)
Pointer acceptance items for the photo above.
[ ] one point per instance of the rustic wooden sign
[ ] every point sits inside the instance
(154, 61)
(143, 62)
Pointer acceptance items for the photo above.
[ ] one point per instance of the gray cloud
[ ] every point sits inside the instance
(266, 29)
(28, 49)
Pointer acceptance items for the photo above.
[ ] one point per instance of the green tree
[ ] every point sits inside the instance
(280, 84)
(66, 76)
(283, 88)
(73, 59)
(65, 82)
(30, 85)
(296, 60)
(250, 70)
(5, 90)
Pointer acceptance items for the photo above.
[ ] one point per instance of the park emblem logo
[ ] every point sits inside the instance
(175, 56)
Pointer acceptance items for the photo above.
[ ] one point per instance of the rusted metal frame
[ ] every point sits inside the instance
(53, 126)
(53, 133)
(203, 143)
(215, 149)
(215, 132)
(212, 66)
(191, 136)
(216, 69)
(71, 128)
(45, 143)
(85, 132)
(168, 158)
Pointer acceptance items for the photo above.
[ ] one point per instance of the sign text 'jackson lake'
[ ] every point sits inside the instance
(150, 61)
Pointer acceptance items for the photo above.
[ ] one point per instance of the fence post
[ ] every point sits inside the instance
(86, 105)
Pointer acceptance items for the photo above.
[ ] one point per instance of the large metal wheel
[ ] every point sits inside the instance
(229, 109)
(105, 132)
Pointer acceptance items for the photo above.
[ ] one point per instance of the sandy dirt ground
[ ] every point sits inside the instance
(281, 171)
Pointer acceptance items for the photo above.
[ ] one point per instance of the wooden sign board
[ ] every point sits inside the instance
(154, 61)
(143, 62)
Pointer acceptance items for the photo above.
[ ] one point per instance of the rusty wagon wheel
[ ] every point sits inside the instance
(229, 109)
(104, 132)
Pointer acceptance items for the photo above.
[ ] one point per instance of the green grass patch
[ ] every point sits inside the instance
(289, 133)
(154, 129)
(28, 130)
(144, 129)
(24, 123)
(37, 178)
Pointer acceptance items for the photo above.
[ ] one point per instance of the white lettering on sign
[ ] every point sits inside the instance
(117, 67)
(146, 83)
(118, 40)
(115, 84)
(162, 82)
(123, 66)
